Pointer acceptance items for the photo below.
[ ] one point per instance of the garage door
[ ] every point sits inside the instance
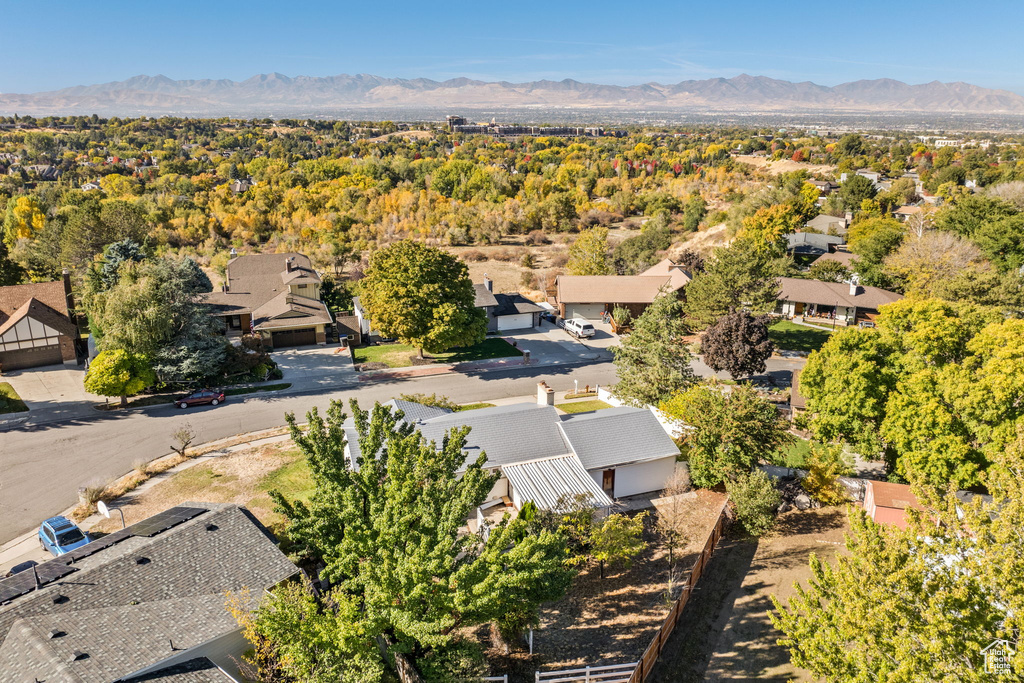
(588, 311)
(286, 338)
(30, 358)
(519, 321)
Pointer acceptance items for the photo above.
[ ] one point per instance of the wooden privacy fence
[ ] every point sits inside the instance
(646, 664)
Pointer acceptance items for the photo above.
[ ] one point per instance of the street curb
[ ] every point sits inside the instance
(256, 436)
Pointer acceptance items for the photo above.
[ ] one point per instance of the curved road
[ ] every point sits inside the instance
(43, 466)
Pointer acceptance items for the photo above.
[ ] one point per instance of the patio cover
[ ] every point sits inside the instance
(545, 481)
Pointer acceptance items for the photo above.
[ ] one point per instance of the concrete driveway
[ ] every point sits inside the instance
(550, 344)
(53, 391)
(315, 367)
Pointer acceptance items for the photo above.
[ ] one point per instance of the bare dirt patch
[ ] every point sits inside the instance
(725, 633)
(703, 242)
(240, 477)
(612, 621)
(784, 165)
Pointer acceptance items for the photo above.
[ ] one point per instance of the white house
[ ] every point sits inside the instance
(543, 456)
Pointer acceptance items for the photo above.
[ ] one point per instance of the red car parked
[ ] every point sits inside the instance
(211, 396)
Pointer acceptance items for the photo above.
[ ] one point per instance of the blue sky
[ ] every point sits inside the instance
(62, 43)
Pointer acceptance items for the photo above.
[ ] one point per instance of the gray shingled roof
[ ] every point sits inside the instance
(515, 304)
(617, 436)
(416, 412)
(199, 670)
(256, 279)
(178, 595)
(484, 297)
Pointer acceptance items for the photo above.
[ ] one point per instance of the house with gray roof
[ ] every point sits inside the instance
(543, 456)
(811, 243)
(838, 303)
(829, 225)
(146, 603)
(276, 296)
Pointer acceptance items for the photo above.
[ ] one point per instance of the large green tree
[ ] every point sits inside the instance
(653, 360)
(738, 277)
(726, 432)
(918, 604)
(423, 296)
(116, 372)
(155, 310)
(588, 254)
(390, 533)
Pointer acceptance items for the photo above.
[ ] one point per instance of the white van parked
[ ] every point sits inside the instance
(579, 328)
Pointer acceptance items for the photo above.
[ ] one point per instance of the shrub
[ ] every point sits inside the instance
(90, 495)
(756, 499)
(621, 315)
(559, 259)
(509, 255)
(528, 261)
(537, 238)
(527, 280)
(141, 467)
(474, 255)
(276, 373)
(825, 464)
(457, 236)
(433, 400)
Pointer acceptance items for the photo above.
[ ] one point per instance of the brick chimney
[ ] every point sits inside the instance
(545, 394)
(488, 283)
(288, 264)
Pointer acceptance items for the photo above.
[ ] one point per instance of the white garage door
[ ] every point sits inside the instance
(520, 321)
(588, 311)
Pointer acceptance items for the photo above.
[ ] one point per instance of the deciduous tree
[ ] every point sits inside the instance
(588, 254)
(738, 343)
(423, 296)
(117, 372)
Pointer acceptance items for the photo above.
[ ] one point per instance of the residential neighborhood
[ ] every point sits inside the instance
(430, 399)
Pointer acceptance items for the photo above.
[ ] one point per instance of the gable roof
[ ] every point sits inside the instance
(515, 304)
(895, 496)
(122, 612)
(549, 480)
(198, 670)
(610, 289)
(39, 311)
(254, 280)
(617, 436)
(823, 222)
(811, 242)
(483, 296)
(287, 310)
(679, 277)
(50, 293)
(832, 293)
(844, 257)
(416, 412)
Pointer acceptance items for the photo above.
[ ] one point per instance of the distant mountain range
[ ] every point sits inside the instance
(306, 95)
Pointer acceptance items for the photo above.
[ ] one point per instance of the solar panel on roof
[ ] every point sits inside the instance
(48, 572)
(164, 520)
(19, 584)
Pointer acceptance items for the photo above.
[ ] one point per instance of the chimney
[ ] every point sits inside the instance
(488, 283)
(224, 287)
(849, 217)
(853, 288)
(69, 298)
(545, 394)
(288, 264)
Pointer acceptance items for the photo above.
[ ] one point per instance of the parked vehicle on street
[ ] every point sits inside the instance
(196, 398)
(579, 328)
(59, 535)
(866, 323)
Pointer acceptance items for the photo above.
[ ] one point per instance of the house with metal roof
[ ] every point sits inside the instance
(146, 603)
(544, 456)
(276, 296)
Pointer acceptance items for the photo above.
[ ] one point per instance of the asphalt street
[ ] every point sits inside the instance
(43, 466)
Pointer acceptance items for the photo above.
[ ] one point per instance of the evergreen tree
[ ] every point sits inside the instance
(653, 361)
(738, 277)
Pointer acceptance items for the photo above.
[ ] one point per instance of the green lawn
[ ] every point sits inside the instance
(582, 406)
(796, 453)
(10, 402)
(475, 406)
(400, 355)
(792, 337)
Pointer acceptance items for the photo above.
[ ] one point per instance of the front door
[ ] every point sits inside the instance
(798, 309)
(608, 482)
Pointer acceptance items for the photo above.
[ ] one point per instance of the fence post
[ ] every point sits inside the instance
(536, 676)
(587, 674)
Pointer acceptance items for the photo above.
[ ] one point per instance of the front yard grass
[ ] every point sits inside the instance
(10, 402)
(792, 337)
(796, 453)
(582, 406)
(401, 355)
